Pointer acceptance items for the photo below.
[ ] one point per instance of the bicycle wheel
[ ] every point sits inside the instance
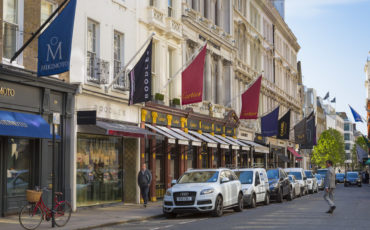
(30, 216)
(62, 214)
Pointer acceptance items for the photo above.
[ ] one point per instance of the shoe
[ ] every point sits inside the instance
(329, 211)
(144, 205)
(332, 209)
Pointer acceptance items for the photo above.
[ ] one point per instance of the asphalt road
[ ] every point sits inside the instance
(308, 212)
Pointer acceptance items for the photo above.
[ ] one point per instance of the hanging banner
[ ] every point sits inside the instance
(300, 132)
(250, 100)
(192, 80)
(55, 43)
(141, 78)
(269, 123)
(284, 127)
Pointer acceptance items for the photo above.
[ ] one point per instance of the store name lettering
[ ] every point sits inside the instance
(13, 123)
(7, 92)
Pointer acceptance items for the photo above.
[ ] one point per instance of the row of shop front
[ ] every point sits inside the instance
(103, 142)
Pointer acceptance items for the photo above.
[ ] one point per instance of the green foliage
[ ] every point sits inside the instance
(363, 144)
(176, 101)
(159, 97)
(330, 146)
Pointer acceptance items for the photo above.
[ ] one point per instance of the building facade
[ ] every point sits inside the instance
(367, 86)
(28, 102)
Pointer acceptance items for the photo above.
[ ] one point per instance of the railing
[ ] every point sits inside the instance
(122, 83)
(157, 17)
(174, 26)
(97, 69)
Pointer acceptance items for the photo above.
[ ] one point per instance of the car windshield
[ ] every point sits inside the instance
(322, 172)
(318, 176)
(297, 175)
(273, 174)
(309, 174)
(341, 175)
(245, 177)
(199, 177)
(352, 175)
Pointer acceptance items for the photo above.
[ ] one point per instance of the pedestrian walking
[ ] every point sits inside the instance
(144, 179)
(329, 184)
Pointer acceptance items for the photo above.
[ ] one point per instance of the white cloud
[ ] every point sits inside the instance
(311, 8)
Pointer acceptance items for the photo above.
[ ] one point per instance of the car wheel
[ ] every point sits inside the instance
(300, 193)
(290, 195)
(267, 199)
(360, 185)
(239, 208)
(311, 191)
(253, 201)
(279, 196)
(170, 215)
(345, 185)
(294, 195)
(219, 207)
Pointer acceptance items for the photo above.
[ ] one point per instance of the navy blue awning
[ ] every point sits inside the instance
(23, 125)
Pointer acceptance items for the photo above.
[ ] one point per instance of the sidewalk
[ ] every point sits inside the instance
(90, 218)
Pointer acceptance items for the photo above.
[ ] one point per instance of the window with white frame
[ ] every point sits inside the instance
(92, 50)
(47, 8)
(118, 55)
(170, 8)
(12, 27)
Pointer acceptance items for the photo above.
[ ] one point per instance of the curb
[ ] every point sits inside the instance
(120, 222)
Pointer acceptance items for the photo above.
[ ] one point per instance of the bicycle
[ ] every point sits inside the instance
(32, 214)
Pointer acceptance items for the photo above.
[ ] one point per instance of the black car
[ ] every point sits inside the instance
(279, 185)
(352, 178)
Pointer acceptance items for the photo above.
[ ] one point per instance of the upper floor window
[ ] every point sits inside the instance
(121, 82)
(47, 8)
(170, 8)
(92, 48)
(11, 27)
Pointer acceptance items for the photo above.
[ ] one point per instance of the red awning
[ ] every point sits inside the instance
(297, 156)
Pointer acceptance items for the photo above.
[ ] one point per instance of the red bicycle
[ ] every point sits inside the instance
(33, 213)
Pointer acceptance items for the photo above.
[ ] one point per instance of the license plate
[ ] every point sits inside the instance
(187, 198)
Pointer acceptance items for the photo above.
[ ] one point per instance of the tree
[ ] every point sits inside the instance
(363, 144)
(330, 146)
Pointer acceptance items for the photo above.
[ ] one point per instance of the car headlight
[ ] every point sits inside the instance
(245, 191)
(207, 191)
(168, 192)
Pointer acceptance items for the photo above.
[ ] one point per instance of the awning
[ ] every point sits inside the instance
(210, 143)
(223, 145)
(181, 140)
(230, 142)
(171, 139)
(243, 145)
(298, 157)
(117, 129)
(24, 125)
(194, 141)
(257, 147)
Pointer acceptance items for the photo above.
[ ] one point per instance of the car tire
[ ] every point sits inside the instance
(300, 193)
(311, 191)
(279, 197)
(239, 207)
(170, 215)
(267, 199)
(253, 201)
(219, 207)
(294, 195)
(345, 185)
(360, 185)
(289, 197)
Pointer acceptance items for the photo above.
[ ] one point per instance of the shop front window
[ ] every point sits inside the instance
(18, 167)
(99, 169)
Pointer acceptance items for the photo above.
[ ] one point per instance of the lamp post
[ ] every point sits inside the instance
(55, 123)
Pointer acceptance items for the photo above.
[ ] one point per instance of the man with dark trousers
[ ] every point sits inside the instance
(329, 184)
(144, 179)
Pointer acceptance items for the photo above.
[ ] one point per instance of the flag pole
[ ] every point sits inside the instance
(123, 70)
(16, 54)
(182, 67)
(246, 89)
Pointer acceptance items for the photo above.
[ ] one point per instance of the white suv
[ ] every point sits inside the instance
(300, 176)
(255, 186)
(311, 182)
(204, 190)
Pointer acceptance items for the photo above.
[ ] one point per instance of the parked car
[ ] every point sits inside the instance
(339, 177)
(352, 178)
(204, 190)
(322, 172)
(320, 181)
(279, 185)
(295, 185)
(255, 186)
(300, 177)
(311, 182)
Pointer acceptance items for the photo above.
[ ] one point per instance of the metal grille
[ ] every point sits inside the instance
(184, 194)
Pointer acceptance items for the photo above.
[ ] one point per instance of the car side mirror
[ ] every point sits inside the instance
(173, 182)
(225, 180)
(304, 178)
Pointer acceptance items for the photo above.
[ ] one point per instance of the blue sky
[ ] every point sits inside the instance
(334, 36)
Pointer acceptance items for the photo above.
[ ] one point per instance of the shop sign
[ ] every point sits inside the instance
(193, 124)
(6, 92)
(207, 127)
(162, 119)
(176, 122)
(259, 138)
(218, 129)
(86, 117)
(230, 131)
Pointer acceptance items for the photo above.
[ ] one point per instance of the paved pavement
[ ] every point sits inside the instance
(308, 212)
(96, 217)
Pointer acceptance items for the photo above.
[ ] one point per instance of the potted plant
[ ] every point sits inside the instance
(159, 98)
(176, 103)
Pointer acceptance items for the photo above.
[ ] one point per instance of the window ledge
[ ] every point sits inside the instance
(121, 3)
(14, 63)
